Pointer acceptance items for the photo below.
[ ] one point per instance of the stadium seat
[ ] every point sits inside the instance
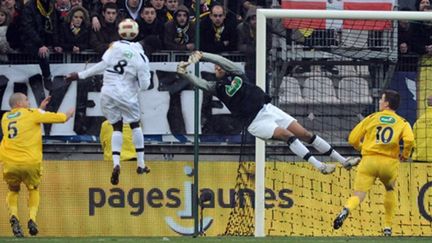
(319, 90)
(290, 92)
(354, 90)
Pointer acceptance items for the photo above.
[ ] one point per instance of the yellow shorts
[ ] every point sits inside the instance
(29, 174)
(372, 167)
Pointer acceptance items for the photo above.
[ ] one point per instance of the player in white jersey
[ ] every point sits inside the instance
(126, 71)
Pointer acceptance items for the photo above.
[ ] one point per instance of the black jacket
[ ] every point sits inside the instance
(209, 42)
(33, 31)
(68, 40)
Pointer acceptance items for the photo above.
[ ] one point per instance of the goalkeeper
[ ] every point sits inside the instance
(378, 137)
(251, 105)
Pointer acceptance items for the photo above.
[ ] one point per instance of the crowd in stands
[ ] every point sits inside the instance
(43, 27)
(416, 37)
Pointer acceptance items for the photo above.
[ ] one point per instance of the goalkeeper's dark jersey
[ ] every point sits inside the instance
(242, 98)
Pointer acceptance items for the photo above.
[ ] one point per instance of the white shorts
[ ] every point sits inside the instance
(116, 107)
(267, 120)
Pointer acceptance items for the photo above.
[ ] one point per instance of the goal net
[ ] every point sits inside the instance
(327, 68)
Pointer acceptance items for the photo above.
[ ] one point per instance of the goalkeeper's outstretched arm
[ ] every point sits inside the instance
(209, 86)
(223, 62)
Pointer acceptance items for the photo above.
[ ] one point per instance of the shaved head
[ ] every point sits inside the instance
(18, 100)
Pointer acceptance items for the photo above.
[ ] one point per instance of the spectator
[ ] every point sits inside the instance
(39, 28)
(76, 3)
(405, 31)
(149, 25)
(247, 5)
(96, 13)
(171, 6)
(5, 18)
(420, 5)
(132, 8)
(422, 134)
(204, 8)
(216, 35)
(422, 32)
(62, 8)
(75, 31)
(100, 40)
(161, 11)
(13, 34)
(179, 34)
(247, 42)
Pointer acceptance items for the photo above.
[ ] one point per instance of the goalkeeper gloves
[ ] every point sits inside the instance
(181, 67)
(195, 57)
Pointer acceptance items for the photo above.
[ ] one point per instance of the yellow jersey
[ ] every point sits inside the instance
(128, 149)
(22, 134)
(380, 134)
(423, 137)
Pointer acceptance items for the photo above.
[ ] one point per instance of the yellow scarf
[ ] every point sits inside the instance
(169, 16)
(182, 37)
(43, 12)
(75, 30)
(204, 6)
(218, 32)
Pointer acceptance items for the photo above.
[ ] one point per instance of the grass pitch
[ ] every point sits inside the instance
(224, 239)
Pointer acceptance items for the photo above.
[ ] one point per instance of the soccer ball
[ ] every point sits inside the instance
(128, 29)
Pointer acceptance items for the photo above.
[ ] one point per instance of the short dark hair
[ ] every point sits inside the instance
(109, 5)
(393, 98)
(148, 5)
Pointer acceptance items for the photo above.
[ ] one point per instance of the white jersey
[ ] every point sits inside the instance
(125, 71)
(127, 67)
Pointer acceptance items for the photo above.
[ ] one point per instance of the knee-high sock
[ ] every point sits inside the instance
(116, 144)
(33, 203)
(389, 206)
(300, 150)
(352, 203)
(138, 140)
(325, 148)
(12, 203)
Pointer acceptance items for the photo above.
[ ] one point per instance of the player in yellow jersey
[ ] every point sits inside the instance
(21, 154)
(127, 149)
(378, 137)
(423, 135)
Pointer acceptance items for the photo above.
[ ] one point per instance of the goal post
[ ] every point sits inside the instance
(261, 56)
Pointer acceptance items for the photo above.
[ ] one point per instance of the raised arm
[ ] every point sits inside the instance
(209, 86)
(226, 64)
(98, 68)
